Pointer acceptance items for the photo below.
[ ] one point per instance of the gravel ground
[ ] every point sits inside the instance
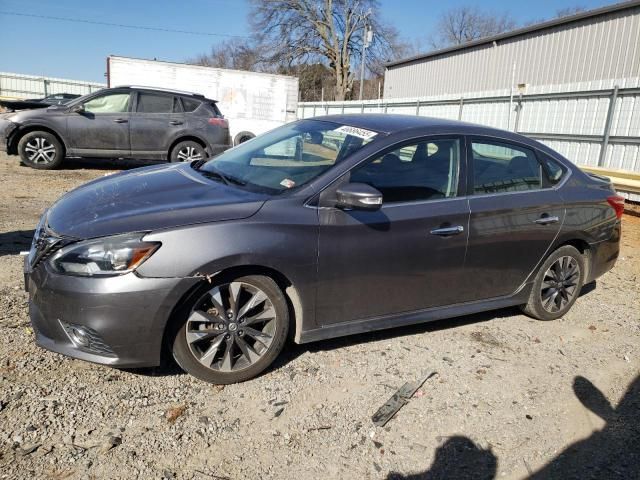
(513, 397)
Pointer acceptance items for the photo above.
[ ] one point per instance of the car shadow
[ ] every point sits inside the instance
(12, 243)
(296, 350)
(103, 164)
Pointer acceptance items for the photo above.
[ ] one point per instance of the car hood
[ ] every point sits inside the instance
(32, 110)
(148, 199)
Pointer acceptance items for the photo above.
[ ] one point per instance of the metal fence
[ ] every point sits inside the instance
(16, 85)
(598, 128)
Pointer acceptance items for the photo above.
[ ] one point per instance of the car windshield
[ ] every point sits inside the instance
(289, 156)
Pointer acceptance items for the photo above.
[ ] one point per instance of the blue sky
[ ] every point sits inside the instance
(78, 51)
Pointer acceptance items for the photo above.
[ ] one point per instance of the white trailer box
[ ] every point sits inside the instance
(253, 102)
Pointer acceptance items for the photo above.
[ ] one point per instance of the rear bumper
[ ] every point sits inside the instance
(125, 315)
(605, 254)
(7, 129)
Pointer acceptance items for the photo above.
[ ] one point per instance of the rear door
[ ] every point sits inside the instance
(407, 256)
(515, 216)
(155, 122)
(102, 128)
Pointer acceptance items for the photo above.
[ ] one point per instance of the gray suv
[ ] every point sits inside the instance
(122, 122)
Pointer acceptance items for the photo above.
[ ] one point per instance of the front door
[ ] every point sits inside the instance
(515, 217)
(102, 127)
(407, 256)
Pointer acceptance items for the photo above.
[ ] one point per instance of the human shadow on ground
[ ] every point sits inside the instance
(612, 452)
(457, 458)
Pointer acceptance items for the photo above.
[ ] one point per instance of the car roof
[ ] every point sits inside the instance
(184, 93)
(394, 123)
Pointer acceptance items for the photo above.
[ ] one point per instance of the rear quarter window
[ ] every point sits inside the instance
(554, 170)
(190, 104)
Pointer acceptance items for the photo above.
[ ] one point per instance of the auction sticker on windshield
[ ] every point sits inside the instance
(356, 132)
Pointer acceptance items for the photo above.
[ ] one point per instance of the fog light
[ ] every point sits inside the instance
(80, 336)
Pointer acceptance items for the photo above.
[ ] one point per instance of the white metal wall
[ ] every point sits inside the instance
(572, 123)
(16, 85)
(591, 50)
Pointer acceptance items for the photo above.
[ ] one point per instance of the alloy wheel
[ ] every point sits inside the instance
(231, 327)
(560, 284)
(40, 150)
(189, 154)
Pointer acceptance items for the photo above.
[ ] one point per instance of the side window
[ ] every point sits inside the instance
(190, 104)
(554, 170)
(112, 103)
(501, 167)
(420, 171)
(152, 103)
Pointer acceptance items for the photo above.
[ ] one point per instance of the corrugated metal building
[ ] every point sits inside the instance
(595, 49)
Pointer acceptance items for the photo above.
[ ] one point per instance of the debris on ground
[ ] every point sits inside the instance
(398, 400)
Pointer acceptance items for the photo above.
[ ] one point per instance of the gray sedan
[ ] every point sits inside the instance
(324, 227)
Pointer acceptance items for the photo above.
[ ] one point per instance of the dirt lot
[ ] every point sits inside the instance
(513, 397)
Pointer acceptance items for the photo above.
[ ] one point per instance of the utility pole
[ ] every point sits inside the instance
(367, 37)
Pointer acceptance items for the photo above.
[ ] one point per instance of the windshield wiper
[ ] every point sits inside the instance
(213, 172)
(198, 163)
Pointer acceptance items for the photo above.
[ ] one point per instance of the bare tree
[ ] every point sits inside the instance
(323, 31)
(566, 12)
(236, 54)
(465, 24)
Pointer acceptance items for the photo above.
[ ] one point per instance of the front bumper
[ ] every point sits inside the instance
(126, 314)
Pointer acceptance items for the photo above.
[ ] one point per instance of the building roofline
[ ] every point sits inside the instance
(519, 31)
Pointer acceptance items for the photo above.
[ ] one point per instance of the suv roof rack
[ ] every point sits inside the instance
(159, 89)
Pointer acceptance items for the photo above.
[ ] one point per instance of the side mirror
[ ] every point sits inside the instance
(358, 196)
(77, 108)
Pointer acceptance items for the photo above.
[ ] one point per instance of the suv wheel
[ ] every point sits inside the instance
(233, 331)
(557, 284)
(40, 150)
(187, 151)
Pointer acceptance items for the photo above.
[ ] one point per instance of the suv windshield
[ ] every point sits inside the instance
(289, 156)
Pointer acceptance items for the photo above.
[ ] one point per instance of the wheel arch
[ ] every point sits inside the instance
(187, 138)
(583, 247)
(22, 131)
(288, 289)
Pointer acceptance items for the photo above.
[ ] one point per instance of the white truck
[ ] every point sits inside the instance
(253, 102)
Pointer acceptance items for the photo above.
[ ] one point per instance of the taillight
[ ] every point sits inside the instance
(218, 122)
(617, 202)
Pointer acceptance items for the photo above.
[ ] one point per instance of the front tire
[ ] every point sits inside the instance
(187, 151)
(40, 150)
(557, 284)
(233, 331)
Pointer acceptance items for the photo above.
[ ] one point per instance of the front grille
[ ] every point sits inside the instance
(96, 344)
(44, 244)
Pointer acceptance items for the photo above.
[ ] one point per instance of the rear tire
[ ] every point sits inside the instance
(187, 151)
(233, 330)
(40, 150)
(557, 284)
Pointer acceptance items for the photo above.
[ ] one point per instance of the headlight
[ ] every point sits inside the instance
(103, 256)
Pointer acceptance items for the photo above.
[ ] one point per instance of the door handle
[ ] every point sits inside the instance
(546, 220)
(175, 122)
(121, 120)
(447, 231)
